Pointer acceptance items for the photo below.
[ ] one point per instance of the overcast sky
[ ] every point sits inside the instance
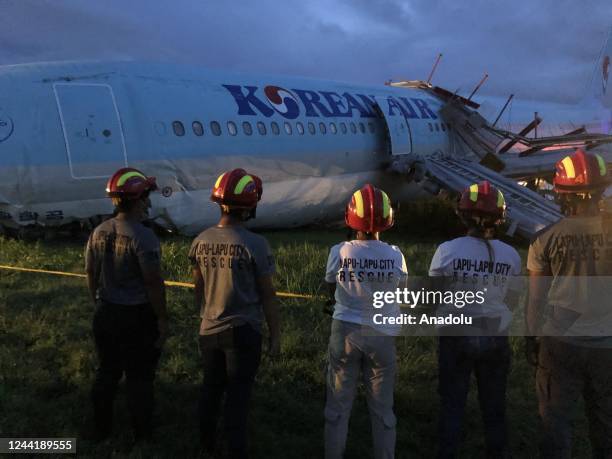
(536, 49)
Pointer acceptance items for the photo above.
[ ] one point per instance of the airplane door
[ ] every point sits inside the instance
(400, 135)
(90, 120)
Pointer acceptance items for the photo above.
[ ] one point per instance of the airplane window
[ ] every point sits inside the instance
(288, 128)
(311, 128)
(430, 127)
(215, 127)
(231, 127)
(371, 126)
(274, 127)
(353, 128)
(343, 128)
(333, 128)
(261, 127)
(437, 127)
(246, 128)
(300, 128)
(361, 128)
(443, 127)
(178, 127)
(322, 128)
(197, 127)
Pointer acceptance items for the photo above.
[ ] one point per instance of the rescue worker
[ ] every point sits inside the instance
(476, 262)
(122, 261)
(233, 269)
(355, 270)
(569, 307)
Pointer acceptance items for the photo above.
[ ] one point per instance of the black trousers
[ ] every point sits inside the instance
(125, 338)
(488, 357)
(230, 360)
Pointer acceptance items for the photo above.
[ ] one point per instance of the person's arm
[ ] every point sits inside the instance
(329, 293)
(92, 284)
(328, 284)
(436, 281)
(156, 292)
(271, 312)
(149, 257)
(515, 285)
(539, 284)
(92, 278)
(198, 281)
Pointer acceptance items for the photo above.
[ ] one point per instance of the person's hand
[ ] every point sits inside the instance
(532, 349)
(328, 307)
(162, 328)
(274, 347)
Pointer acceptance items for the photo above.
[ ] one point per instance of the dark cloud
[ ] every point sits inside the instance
(543, 49)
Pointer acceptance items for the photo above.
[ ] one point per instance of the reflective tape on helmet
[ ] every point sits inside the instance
(359, 203)
(244, 181)
(474, 192)
(128, 175)
(568, 164)
(501, 202)
(386, 205)
(218, 182)
(602, 165)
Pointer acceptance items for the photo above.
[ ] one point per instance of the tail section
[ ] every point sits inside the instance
(601, 81)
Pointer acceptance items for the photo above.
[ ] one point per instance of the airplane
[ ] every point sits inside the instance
(65, 127)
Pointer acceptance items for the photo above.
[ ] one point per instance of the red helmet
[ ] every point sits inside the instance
(129, 183)
(483, 198)
(580, 173)
(369, 210)
(237, 189)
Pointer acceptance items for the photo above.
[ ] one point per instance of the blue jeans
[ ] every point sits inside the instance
(489, 358)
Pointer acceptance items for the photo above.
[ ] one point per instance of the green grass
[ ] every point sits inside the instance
(47, 361)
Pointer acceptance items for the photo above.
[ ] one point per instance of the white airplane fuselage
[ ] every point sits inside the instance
(66, 127)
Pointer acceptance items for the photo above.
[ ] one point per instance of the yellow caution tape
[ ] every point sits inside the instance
(168, 283)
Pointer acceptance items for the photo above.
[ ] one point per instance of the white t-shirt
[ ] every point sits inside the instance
(465, 261)
(359, 269)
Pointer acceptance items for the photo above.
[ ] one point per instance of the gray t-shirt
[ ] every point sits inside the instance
(577, 254)
(231, 259)
(118, 252)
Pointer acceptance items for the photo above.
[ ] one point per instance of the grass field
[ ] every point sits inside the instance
(47, 362)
